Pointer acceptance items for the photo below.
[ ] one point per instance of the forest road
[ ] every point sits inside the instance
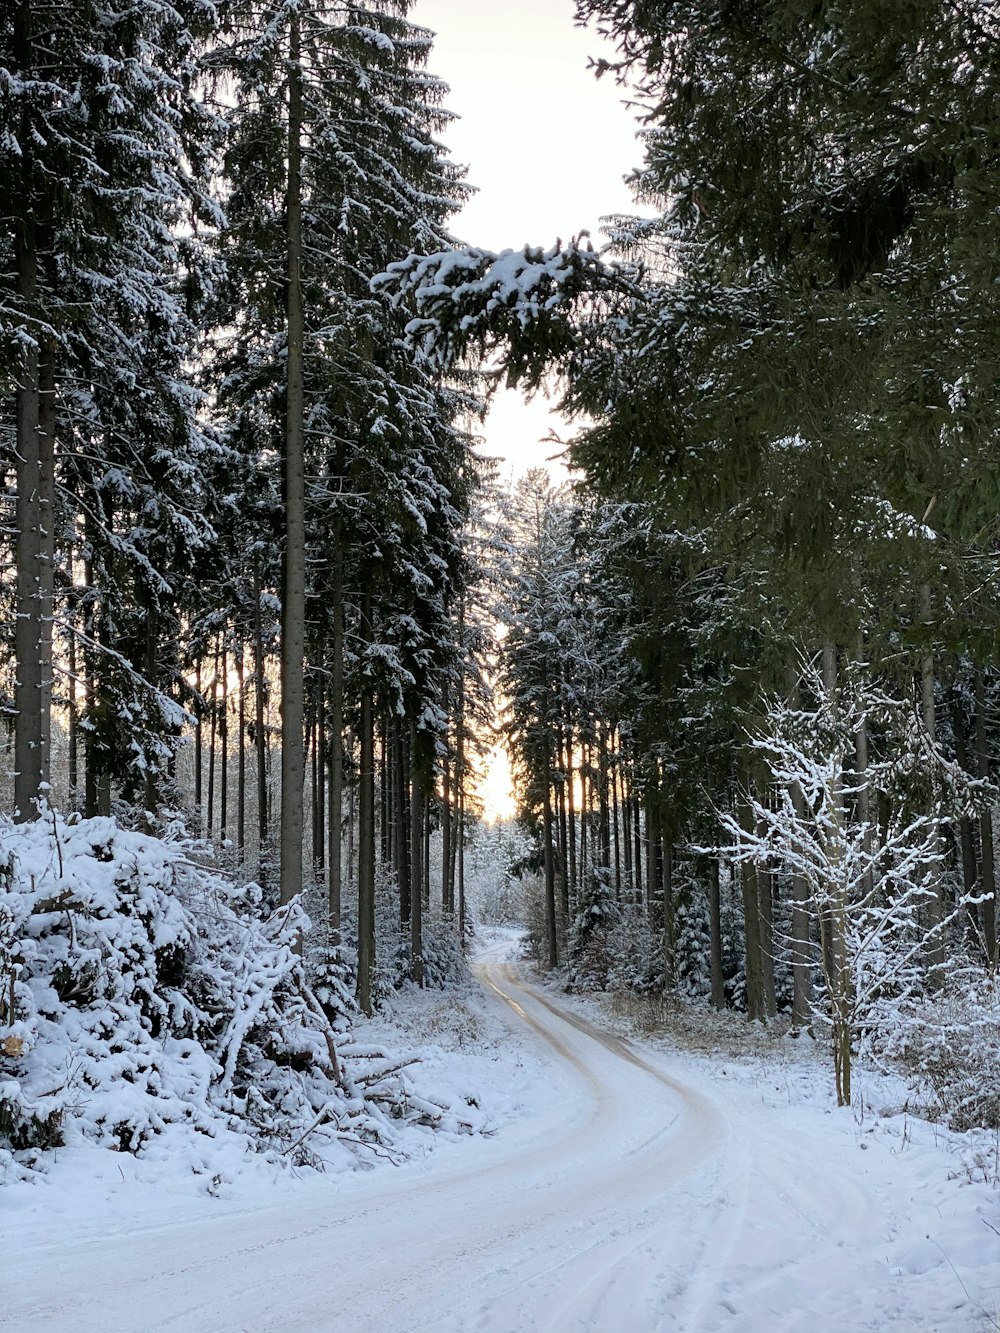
(555, 1225)
(622, 1201)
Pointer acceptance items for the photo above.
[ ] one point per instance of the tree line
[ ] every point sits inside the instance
(241, 512)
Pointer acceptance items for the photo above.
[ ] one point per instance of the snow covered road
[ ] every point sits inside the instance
(627, 1202)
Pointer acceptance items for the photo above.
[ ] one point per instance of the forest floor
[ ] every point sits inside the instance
(629, 1182)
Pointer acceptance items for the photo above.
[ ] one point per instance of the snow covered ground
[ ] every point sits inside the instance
(628, 1188)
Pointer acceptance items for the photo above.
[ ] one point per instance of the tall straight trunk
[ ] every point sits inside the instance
(336, 816)
(574, 880)
(447, 903)
(319, 778)
(366, 843)
(34, 467)
(260, 731)
(460, 785)
(715, 935)
(669, 936)
(241, 770)
(199, 754)
(585, 853)
(213, 723)
(654, 852)
(562, 834)
(756, 1008)
(637, 851)
(765, 890)
(426, 877)
(400, 822)
(615, 838)
(73, 794)
(801, 968)
(966, 837)
(293, 607)
(417, 803)
(989, 885)
(934, 878)
(548, 862)
(626, 813)
(91, 740)
(602, 797)
(385, 817)
(224, 747)
(152, 776)
(862, 804)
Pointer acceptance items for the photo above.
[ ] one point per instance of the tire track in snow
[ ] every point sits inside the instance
(534, 1239)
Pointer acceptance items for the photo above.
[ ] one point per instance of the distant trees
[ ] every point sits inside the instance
(789, 456)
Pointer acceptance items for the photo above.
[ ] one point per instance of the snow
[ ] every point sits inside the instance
(624, 1186)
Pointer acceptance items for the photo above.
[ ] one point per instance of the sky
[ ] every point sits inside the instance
(547, 146)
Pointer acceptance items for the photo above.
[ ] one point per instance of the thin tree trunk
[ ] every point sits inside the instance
(574, 878)
(33, 511)
(715, 935)
(336, 817)
(989, 885)
(366, 842)
(224, 749)
(213, 717)
(319, 778)
(756, 1008)
(293, 618)
(400, 807)
(447, 902)
(417, 803)
(550, 877)
(260, 732)
(934, 878)
(73, 795)
(241, 771)
(801, 969)
(669, 937)
(199, 756)
(616, 841)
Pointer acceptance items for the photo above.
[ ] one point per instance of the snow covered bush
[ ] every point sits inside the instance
(949, 1044)
(146, 1004)
(611, 944)
(874, 888)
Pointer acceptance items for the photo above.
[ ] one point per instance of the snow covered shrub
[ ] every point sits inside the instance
(949, 1044)
(611, 944)
(590, 959)
(146, 1003)
(875, 892)
(533, 889)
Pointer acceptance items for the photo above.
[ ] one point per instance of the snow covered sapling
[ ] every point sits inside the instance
(871, 888)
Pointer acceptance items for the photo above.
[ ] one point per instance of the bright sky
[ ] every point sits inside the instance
(546, 144)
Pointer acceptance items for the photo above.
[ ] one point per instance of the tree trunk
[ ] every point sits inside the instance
(753, 971)
(293, 608)
(989, 886)
(801, 951)
(336, 816)
(366, 844)
(715, 935)
(241, 773)
(550, 877)
(934, 878)
(34, 465)
(417, 803)
(260, 732)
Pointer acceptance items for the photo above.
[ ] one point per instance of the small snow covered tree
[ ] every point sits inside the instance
(871, 885)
